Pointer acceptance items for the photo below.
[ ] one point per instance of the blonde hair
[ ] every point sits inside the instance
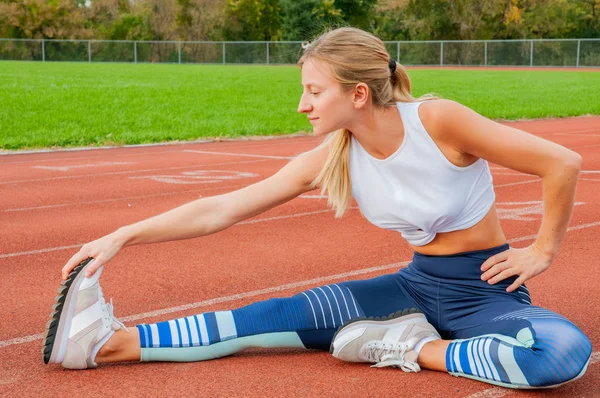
(355, 56)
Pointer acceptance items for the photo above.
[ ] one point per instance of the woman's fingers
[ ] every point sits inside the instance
(495, 259)
(495, 270)
(72, 263)
(101, 250)
(515, 285)
(96, 263)
(503, 275)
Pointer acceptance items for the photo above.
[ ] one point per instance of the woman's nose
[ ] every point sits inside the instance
(303, 106)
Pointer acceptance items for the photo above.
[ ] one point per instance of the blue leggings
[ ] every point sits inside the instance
(498, 337)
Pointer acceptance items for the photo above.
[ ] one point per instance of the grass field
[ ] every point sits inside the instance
(79, 104)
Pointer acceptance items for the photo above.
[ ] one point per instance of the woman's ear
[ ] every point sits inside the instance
(360, 95)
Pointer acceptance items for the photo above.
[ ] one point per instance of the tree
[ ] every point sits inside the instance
(44, 19)
(358, 13)
(304, 19)
(253, 20)
(590, 18)
(201, 19)
(389, 23)
(428, 20)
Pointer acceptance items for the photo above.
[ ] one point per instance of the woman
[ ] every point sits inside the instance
(415, 166)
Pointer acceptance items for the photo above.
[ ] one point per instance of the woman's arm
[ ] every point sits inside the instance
(558, 167)
(208, 215)
(213, 214)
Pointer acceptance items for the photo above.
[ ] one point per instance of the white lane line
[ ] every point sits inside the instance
(494, 392)
(52, 249)
(310, 213)
(585, 146)
(260, 292)
(568, 132)
(244, 145)
(302, 196)
(96, 148)
(497, 392)
(595, 133)
(39, 251)
(575, 228)
(87, 157)
(531, 202)
(510, 184)
(239, 154)
(198, 177)
(234, 297)
(81, 166)
(130, 172)
(125, 198)
(26, 339)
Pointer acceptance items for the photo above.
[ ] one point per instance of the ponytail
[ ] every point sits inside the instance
(334, 178)
(401, 85)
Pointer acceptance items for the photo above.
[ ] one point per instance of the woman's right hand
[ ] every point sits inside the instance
(101, 250)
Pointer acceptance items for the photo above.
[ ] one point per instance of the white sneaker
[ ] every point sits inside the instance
(393, 341)
(81, 322)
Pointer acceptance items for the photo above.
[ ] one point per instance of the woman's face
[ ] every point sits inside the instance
(323, 100)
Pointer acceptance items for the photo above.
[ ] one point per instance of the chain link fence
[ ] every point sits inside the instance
(551, 52)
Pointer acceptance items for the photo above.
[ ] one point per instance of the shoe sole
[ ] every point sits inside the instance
(363, 319)
(55, 337)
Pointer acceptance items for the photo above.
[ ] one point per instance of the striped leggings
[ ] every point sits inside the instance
(497, 337)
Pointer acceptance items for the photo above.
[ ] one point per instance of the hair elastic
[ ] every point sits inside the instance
(392, 65)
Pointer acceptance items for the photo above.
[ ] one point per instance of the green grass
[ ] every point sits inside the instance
(79, 104)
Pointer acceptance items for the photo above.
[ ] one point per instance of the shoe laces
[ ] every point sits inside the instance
(108, 310)
(390, 354)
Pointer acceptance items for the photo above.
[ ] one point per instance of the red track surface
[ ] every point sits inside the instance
(52, 202)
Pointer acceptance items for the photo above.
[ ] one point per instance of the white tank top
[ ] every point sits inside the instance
(417, 191)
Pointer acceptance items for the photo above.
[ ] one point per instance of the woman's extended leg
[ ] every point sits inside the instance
(306, 320)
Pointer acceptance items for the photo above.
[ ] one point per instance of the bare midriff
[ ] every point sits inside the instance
(486, 234)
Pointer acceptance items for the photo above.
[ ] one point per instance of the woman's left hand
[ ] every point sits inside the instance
(526, 263)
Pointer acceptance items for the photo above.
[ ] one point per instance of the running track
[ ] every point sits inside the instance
(51, 203)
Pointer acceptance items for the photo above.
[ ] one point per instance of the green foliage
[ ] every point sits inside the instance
(357, 13)
(304, 19)
(253, 20)
(43, 19)
(130, 27)
(298, 20)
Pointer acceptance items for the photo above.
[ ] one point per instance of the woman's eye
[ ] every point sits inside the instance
(315, 94)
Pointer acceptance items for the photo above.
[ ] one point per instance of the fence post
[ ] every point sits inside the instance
(485, 54)
(531, 54)
(89, 52)
(223, 53)
(267, 53)
(43, 51)
(179, 52)
(441, 53)
(398, 51)
(578, 48)
(135, 52)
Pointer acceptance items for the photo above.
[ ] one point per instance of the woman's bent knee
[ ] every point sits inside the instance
(561, 355)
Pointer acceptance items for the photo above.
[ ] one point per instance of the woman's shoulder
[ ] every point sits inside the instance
(433, 109)
(437, 114)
